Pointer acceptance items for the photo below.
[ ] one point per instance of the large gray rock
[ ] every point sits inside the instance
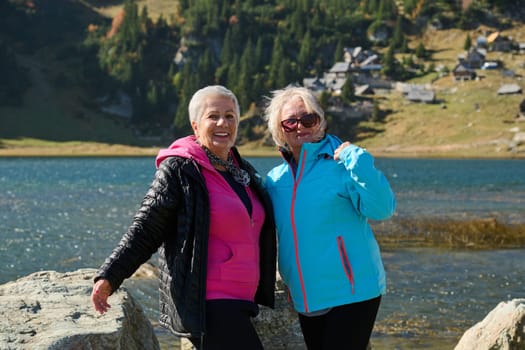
(503, 329)
(51, 310)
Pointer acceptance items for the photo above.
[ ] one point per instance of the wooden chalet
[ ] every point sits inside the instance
(462, 71)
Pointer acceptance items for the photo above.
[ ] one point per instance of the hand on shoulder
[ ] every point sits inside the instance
(340, 148)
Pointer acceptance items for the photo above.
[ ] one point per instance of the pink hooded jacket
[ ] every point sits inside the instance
(233, 246)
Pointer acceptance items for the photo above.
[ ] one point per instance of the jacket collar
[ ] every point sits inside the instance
(324, 147)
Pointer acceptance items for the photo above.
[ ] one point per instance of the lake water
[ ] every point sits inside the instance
(68, 213)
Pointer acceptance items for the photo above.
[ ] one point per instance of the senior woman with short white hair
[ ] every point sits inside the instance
(210, 218)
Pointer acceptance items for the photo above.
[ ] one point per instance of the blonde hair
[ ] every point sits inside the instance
(196, 103)
(275, 106)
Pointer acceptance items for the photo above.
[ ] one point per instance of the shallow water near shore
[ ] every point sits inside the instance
(67, 213)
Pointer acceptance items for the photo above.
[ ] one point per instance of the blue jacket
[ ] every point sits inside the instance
(328, 255)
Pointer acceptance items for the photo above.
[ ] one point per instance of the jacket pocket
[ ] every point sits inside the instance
(345, 261)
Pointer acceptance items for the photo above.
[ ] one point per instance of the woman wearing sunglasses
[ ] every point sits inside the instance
(323, 195)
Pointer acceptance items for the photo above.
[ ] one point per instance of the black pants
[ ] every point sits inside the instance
(343, 327)
(229, 326)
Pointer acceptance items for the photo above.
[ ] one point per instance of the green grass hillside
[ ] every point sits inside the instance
(469, 120)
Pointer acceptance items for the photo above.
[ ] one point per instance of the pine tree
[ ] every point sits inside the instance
(206, 68)
(339, 51)
(421, 52)
(348, 92)
(232, 79)
(212, 19)
(129, 32)
(389, 62)
(276, 61)
(180, 121)
(227, 47)
(152, 95)
(284, 74)
(245, 77)
(258, 59)
(184, 5)
(324, 99)
(404, 45)
(305, 53)
(189, 85)
(468, 43)
(144, 19)
(371, 6)
(297, 23)
(398, 37)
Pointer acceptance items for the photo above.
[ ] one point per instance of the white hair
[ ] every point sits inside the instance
(275, 106)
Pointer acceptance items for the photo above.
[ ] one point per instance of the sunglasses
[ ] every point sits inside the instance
(307, 120)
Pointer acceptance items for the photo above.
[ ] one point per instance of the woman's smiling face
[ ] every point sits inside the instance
(216, 128)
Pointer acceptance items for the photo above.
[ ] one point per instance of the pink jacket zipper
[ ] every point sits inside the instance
(294, 229)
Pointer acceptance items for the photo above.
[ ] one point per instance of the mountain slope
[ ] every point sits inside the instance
(469, 120)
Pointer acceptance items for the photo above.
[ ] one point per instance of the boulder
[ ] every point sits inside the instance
(503, 328)
(51, 310)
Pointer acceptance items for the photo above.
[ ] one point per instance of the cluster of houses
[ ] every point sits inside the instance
(363, 67)
(475, 58)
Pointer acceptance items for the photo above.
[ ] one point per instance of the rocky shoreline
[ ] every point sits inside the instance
(51, 310)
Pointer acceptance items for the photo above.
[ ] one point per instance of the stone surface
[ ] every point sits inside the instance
(279, 328)
(51, 310)
(503, 328)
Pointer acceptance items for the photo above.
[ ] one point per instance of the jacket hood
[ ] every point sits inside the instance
(185, 147)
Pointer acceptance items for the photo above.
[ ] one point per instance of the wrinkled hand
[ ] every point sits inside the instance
(100, 294)
(340, 148)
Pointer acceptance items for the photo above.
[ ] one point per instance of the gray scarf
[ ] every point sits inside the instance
(240, 175)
